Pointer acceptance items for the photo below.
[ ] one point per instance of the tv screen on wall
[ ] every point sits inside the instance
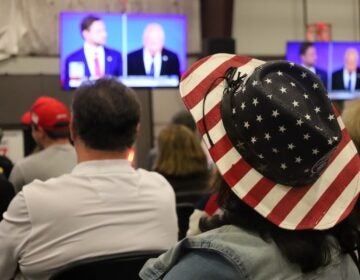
(141, 50)
(336, 63)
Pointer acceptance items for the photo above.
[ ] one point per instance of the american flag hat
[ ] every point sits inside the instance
(275, 138)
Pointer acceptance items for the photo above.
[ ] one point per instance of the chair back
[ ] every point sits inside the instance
(189, 196)
(120, 266)
(183, 210)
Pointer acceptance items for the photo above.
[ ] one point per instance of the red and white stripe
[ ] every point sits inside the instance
(320, 206)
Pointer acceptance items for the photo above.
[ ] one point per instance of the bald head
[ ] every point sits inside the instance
(153, 38)
(351, 59)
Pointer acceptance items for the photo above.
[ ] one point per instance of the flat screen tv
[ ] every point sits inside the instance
(141, 50)
(336, 63)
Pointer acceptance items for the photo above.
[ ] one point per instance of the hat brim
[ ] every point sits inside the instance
(320, 205)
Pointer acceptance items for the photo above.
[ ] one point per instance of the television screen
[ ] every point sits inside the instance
(141, 50)
(336, 63)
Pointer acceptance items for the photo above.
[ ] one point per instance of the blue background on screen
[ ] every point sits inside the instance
(174, 28)
(70, 33)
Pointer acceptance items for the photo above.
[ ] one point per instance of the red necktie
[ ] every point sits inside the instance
(97, 66)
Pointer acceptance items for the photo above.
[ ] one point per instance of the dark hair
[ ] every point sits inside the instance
(310, 249)
(88, 21)
(184, 118)
(105, 115)
(62, 131)
(304, 47)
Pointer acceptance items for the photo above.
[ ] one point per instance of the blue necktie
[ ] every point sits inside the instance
(152, 69)
(349, 85)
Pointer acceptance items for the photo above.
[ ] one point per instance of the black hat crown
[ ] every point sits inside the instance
(281, 122)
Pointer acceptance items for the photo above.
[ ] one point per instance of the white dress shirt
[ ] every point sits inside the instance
(347, 76)
(90, 52)
(149, 59)
(311, 68)
(102, 207)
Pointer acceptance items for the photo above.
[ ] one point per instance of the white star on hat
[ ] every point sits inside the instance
(331, 117)
(282, 128)
(299, 122)
(306, 136)
(275, 113)
(259, 118)
(291, 146)
(283, 90)
(295, 103)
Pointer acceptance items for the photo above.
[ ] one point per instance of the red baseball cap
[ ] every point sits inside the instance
(47, 112)
(26, 118)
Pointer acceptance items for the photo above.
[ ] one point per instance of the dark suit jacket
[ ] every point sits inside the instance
(338, 79)
(113, 63)
(322, 75)
(169, 63)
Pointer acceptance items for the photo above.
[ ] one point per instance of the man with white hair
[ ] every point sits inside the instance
(348, 78)
(153, 59)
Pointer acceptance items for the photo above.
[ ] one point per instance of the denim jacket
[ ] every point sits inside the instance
(233, 253)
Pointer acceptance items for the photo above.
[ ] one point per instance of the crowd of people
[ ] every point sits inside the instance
(260, 153)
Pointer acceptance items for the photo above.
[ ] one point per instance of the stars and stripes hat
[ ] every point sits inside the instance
(275, 138)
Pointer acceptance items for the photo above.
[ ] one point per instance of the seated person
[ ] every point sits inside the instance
(290, 177)
(104, 206)
(50, 130)
(6, 164)
(182, 161)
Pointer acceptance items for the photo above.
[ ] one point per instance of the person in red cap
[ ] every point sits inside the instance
(104, 206)
(49, 119)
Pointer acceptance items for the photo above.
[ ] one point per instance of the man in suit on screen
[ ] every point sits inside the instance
(93, 60)
(348, 77)
(153, 59)
(308, 56)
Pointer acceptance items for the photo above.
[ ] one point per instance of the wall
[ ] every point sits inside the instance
(262, 27)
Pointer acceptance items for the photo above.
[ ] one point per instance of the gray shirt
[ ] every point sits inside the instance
(51, 162)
